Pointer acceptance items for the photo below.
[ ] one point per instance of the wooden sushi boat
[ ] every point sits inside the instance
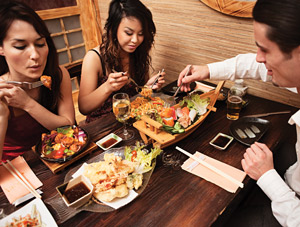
(152, 131)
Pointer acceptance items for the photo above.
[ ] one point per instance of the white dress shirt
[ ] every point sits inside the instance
(283, 194)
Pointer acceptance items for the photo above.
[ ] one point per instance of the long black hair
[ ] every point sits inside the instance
(140, 59)
(283, 20)
(15, 10)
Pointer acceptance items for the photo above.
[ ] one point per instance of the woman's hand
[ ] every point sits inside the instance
(17, 97)
(160, 81)
(196, 73)
(117, 80)
(258, 159)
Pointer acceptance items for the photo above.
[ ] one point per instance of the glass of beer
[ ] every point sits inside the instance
(121, 109)
(234, 104)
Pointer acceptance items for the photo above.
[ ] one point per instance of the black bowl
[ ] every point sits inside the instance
(38, 148)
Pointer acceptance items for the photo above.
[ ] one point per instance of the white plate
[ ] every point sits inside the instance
(46, 217)
(106, 138)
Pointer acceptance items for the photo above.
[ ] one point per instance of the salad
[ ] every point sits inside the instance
(177, 118)
(142, 156)
(62, 142)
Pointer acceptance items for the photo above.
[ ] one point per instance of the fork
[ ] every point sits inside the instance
(156, 79)
(26, 85)
(187, 72)
(138, 87)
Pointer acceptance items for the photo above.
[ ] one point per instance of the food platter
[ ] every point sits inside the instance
(248, 130)
(39, 148)
(37, 204)
(152, 131)
(95, 205)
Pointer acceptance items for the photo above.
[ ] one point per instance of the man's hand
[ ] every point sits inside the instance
(196, 73)
(258, 159)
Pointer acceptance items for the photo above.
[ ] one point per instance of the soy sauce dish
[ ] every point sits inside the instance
(221, 141)
(76, 192)
(109, 141)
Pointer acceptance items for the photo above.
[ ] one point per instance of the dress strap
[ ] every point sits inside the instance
(102, 62)
(11, 111)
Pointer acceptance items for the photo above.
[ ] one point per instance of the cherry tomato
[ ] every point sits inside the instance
(134, 154)
(59, 153)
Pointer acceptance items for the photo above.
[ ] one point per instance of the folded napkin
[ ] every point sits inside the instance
(196, 168)
(11, 187)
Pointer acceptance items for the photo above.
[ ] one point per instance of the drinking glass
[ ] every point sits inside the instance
(121, 109)
(234, 104)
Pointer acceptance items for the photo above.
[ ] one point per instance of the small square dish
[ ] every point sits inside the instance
(76, 192)
(221, 141)
(109, 141)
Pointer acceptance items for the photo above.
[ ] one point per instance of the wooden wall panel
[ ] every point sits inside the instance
(189, 32)
(52, 4)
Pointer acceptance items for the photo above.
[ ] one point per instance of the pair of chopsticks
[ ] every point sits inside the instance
(10, 167)
(209, 166)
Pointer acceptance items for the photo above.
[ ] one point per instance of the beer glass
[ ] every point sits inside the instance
(234, 104)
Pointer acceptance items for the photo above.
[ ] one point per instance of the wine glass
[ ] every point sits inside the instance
(121, 109)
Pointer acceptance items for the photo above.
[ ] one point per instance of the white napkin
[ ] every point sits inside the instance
(26, 197)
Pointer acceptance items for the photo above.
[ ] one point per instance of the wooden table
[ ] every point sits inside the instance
(174, 197)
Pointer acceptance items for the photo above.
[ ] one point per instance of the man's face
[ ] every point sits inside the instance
(284, 69)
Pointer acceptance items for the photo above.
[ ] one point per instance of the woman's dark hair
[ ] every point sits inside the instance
(283, 20)
(140, 59)
(14, 10)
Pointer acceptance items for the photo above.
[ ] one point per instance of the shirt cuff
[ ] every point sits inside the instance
(273, 185)
(216, 70)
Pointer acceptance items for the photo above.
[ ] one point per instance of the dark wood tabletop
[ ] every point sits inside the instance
(173, 197)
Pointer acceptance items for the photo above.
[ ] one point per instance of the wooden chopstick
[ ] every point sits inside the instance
(209, 166)
(20, 178)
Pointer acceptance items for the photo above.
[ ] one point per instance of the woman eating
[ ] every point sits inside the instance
(128, 37)
(26, 53)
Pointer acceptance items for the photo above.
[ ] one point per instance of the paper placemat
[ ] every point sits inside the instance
(11, 187)
(196, 168)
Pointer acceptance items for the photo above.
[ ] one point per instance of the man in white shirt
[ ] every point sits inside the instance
(277, 36)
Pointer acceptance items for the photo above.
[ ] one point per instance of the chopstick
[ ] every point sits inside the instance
(268, 114)
(209, 166)
(187, 72)
(20, 178)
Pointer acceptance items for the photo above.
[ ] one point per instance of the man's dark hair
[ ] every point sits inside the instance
(283, 20)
